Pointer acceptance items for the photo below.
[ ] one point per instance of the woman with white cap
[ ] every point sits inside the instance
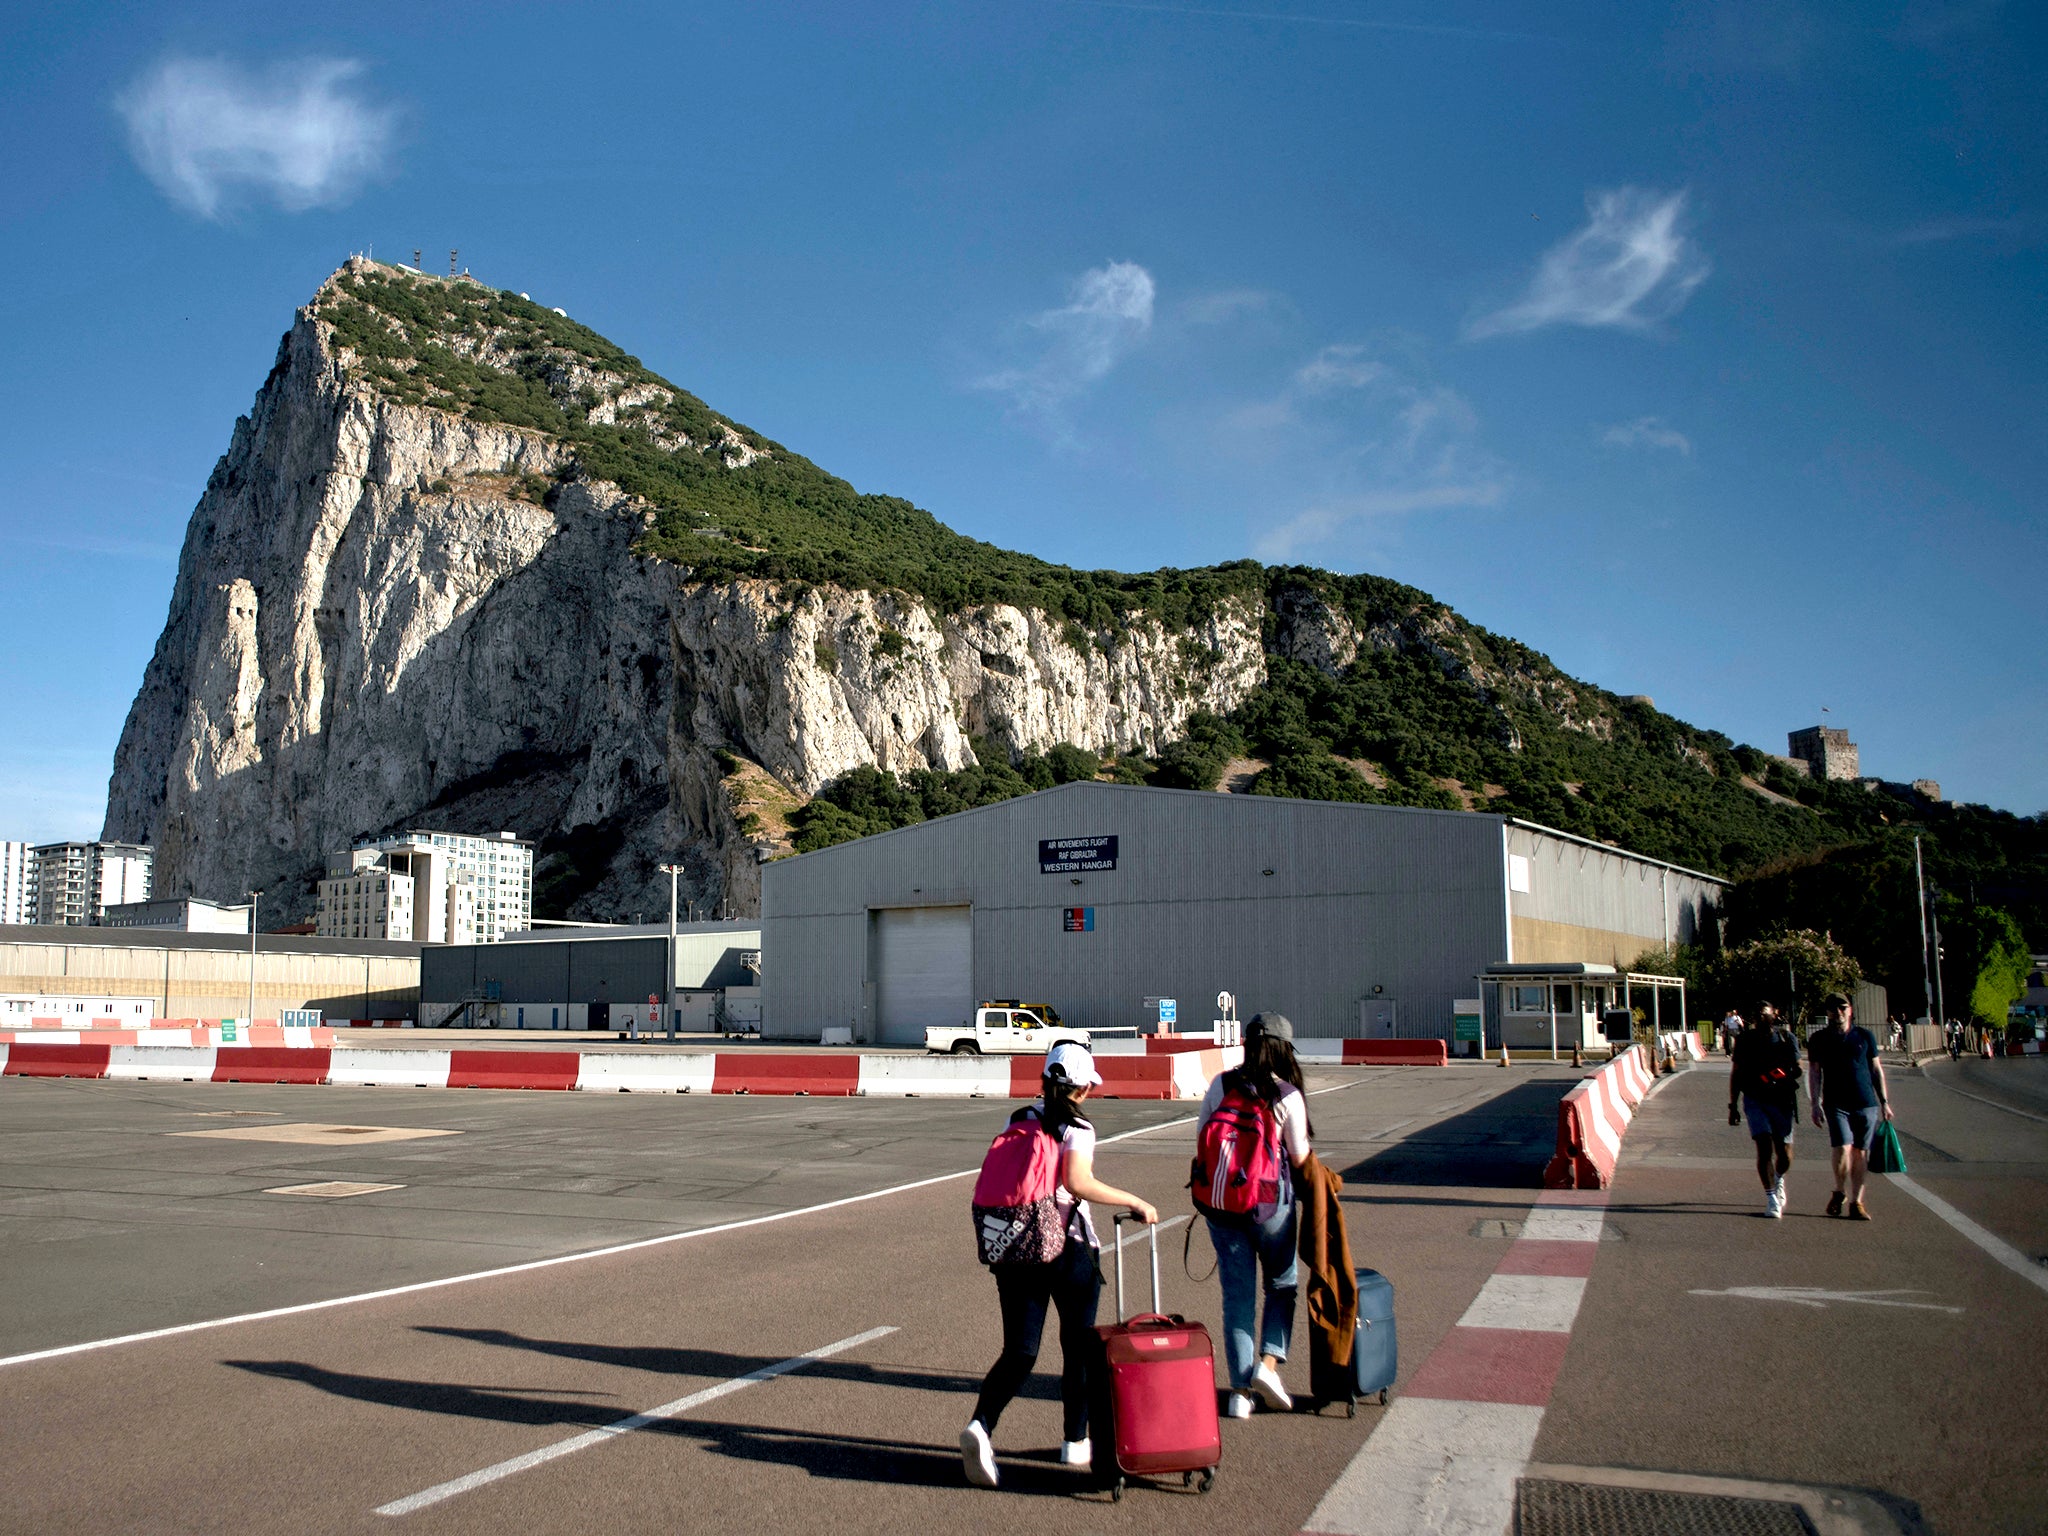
(1071, 1284)
(1263, 1107)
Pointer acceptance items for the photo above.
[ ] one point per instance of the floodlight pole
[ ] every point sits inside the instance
(254, 897)
(1926, 976)
(669, 986)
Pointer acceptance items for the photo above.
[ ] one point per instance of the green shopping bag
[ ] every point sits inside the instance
(1886, 1155)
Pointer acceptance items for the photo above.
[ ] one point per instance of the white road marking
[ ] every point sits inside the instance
(532, 1264)
(1817, 1298)
(1991, 1243)
(1537, 1303)
(1564, 1223)
(504, 1469)
(1447, 1468)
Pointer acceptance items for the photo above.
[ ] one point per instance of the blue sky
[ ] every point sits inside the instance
(1703, 348)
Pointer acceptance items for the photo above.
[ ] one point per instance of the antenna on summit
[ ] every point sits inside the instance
(451, 263)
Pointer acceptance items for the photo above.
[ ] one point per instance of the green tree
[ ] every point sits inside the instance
(1794, 969)
(1985, 959)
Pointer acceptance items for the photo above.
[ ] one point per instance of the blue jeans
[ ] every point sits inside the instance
(1241, 1253)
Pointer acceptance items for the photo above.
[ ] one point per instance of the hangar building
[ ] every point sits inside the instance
(598, 976)
(1351, 919)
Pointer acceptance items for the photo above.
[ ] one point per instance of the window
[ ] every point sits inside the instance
(1526, 1000)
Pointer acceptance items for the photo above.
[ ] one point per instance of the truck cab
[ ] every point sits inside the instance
(1005, 1027)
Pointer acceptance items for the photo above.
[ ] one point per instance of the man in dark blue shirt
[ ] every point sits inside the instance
(1765, 1076)
(1845, 1082)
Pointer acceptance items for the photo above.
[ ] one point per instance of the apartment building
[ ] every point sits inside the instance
(430, 888)
(17, 883)
(75, 883)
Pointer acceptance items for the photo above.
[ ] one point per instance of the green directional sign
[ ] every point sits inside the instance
(1467, 1026)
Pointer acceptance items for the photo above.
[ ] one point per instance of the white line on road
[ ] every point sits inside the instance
(519, 1269)
(583, 1442)
(2024, 1114)
(1997, 1247)
(1817, 1298)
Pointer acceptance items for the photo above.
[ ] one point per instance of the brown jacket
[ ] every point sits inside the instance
(1330, 1287)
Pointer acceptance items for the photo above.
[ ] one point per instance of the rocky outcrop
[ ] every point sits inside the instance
(375, 624)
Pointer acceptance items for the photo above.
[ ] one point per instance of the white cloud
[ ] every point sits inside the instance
(1394, 445)
(1226, 305)
(1108, 313)
(1647, 432)
(209, 133)
(1631, 266)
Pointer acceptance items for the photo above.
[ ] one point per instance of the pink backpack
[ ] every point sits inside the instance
(1238, 1168)
(1017, 1218)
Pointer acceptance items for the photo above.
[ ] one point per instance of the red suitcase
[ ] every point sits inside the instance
(1161, 1389)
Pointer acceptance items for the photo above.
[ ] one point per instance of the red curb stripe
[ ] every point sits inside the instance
(512, 1069)
(1493, 1365)
(824, 1076)
(1537, 1256)
(30, 1060)
(1396, 1053)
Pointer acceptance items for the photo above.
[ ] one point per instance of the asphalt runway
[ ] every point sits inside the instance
(317, 1420)
(813, 1368)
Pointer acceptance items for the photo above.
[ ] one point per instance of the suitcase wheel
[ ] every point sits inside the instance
(1383, 1397)
(1116, 1491)
(1206, 1480)
(1351, 1410)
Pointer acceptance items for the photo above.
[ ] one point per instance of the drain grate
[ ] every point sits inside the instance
(1547, 1507)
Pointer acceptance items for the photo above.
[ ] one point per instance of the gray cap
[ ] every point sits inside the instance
(1278, 1025)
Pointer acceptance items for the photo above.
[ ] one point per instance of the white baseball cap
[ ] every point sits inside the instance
(1071, 1062)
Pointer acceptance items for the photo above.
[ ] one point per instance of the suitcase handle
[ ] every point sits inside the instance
(1152, 1230)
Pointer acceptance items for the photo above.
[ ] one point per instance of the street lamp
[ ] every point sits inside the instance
(669, 987)
(254, 897)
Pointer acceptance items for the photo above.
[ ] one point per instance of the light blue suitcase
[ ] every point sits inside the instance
(1375, 1350)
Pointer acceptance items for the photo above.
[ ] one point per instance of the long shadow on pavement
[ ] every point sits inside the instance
(1500, 1144)
(822, 1454)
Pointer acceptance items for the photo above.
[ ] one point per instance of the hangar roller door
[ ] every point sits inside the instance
(923, 970)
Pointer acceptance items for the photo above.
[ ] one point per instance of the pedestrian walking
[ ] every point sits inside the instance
(1252, 1135)
(1765, 1077)
(1846, 1086)
(1057, 1140)
(1731, 1026)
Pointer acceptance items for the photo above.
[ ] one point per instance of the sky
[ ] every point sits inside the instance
(1703, 348)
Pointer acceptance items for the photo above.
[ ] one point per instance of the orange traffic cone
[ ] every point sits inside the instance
(1503, 1053)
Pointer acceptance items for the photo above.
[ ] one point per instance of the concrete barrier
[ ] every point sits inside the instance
(610, 1073)
(823, 1075)
(956, 1077)
(37, 1059)
(513, 1069)
(271, 1064)
(161, 1063)
(388, 1069)
(1591, 1121)
(1375, 1053)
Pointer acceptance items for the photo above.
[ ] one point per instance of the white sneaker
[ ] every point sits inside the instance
(1266, 1382)
(977, 1455)
(1238, 1405)
(1774, 1205)
(1778, 1189)
(1077, 1453)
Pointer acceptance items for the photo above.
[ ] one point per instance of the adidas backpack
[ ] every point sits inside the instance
(1017, 1219)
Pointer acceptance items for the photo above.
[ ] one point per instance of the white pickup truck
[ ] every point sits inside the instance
(1005, 1028)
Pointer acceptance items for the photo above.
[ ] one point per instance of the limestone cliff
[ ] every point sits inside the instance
(388, 612)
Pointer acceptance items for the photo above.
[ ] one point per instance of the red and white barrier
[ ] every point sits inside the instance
(1592, 1119)
(1375, 1053)
(114, 1054)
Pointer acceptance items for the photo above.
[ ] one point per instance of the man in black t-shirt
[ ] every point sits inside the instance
(1765, 1075)
(1845, 1080)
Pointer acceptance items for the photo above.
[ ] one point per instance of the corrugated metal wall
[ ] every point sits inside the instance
(1357, 897)
(1601, 905)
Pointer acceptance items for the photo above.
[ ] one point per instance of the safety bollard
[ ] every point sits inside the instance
(1503, 1053)
(1578, 1056)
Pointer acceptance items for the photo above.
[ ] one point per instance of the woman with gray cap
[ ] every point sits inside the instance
(1071, 1284)
(1262, 1108)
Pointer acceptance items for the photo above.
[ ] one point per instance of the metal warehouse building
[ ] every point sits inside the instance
(592, 978)
(1351, 919)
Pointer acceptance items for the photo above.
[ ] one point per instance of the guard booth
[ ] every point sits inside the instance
(1553, 1006)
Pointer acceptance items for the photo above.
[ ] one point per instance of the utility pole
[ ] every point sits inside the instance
(1934, 917)
(669, 987)
(1926, 976)
(254, 897)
